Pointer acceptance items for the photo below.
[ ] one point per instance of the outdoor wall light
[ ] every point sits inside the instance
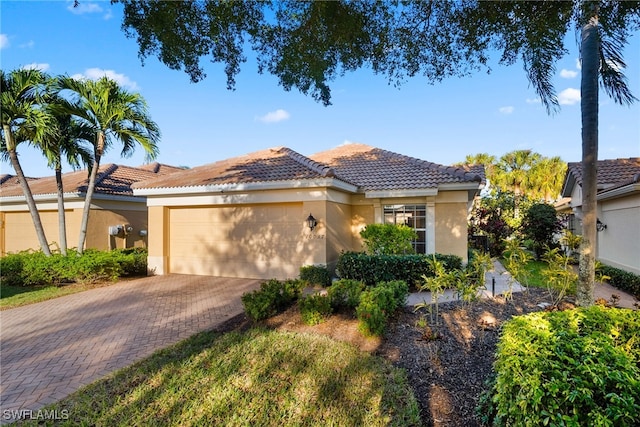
(600, 226)
(311, 222)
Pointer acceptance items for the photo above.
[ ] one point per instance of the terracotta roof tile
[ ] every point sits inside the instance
(274, 164)
(612, 172)
(376, 169)
(112, 179)
(367, 167)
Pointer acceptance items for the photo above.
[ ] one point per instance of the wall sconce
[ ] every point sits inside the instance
(600, 226)
(311, 222)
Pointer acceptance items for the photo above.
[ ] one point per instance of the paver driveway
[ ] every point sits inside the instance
(50, 349)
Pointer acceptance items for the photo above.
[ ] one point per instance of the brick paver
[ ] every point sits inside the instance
(50, 349)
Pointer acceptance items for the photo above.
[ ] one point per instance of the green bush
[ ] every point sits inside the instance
(623, 280)
(345, 293)
(11, 267)
(314, 309)
(568, 368)
(388, 239)
(315, 275)
(34, 268)
(273, 297)
(378, 303)
(372, 269)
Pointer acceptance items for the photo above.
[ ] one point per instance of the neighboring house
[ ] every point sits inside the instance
(618, 207)
(113, 205)
(268, 213)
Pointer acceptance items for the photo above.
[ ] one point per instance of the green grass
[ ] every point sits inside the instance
(534, 275)
(258, 377)
(16, 296)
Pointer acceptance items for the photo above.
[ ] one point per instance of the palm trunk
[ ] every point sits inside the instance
(87, 204)
(33, 209)
(589, 106)
(62, 224)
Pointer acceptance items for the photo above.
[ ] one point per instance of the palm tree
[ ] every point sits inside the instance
(512, 173)
(485, 159)
(23, 119)
(67, 141)
(113, 115)
(547, 177)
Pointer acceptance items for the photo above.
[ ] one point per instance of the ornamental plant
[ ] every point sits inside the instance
(388, 239)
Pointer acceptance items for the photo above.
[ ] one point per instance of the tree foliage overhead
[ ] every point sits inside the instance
(306, 45)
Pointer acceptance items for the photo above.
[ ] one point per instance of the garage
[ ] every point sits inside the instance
(253, 241)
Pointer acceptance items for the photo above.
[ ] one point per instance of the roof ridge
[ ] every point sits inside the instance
(109, 169)
(449, 170)
(322, 169)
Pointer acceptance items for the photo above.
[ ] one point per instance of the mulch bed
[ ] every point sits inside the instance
(447, 363)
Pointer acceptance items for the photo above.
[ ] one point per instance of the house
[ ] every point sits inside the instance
(618, 210)
(113, 205)
(268, 213)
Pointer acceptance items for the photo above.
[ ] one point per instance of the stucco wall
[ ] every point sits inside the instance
(451, 224)
(339, 232)
(619, 243)
(19, 232)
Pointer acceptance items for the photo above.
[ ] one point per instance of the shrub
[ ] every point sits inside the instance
(622, 280)
(133, 261)
(540, 225)
(315, 309)
(11, 267)
(273, 296)
(573, 367)
(315, 275)
(388, 239)
(372, 269)
(378, 303)
(345, 293)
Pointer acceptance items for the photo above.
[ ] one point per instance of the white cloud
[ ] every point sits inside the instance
(83, 7)
(506, 110)
(569, 96)
(4, 41)
(97, 73)
(568, 74)
(533, 101)
(275, 116)
(36, 66)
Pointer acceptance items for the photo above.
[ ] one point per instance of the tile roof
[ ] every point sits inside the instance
(8, 180)
(273, 164)
(613, 172)
(112, 179)
(374, 169)
(364, 166)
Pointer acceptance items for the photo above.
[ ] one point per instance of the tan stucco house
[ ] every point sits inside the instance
(249, 216)
(618, 206)
(113, 205)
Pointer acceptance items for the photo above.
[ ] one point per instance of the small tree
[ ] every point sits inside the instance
(541, 224)
(388, 239)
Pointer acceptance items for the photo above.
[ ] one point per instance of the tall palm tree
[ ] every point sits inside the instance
(69, 140)
(113, 115)
(547, 177)
(23, 119)
(485, 159)
(512, 173)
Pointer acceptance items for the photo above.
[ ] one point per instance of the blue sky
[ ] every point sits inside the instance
(204, 122)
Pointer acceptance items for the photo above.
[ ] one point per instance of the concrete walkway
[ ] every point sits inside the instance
(498, 281)
(50, 349)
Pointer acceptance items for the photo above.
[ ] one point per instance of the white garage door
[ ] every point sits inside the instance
(260, 241)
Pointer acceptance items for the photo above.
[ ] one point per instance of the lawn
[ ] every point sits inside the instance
(256, 377)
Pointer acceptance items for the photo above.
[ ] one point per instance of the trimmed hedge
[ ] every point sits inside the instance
(372, 269)
(568, 368)
(345, 293)
(622, 280)
(34, 268)
(315, 275)
(314, 309)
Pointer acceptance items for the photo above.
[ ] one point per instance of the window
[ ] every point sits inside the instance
(414, 216)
